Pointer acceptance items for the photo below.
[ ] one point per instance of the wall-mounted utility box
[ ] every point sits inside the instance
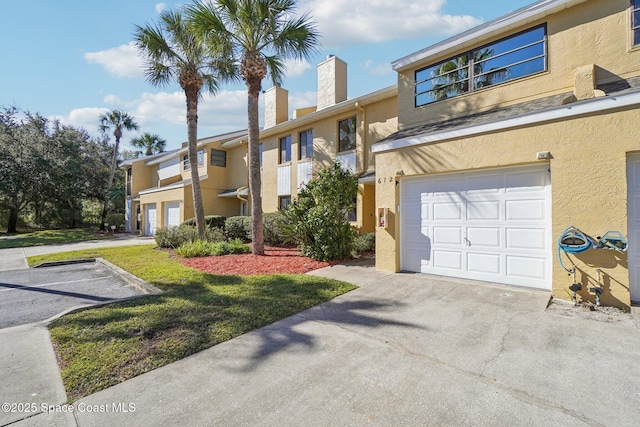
(382, 218)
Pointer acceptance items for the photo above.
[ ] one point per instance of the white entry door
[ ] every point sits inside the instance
(633, 225)
(172, 214)
(492, 225)
(151, 220)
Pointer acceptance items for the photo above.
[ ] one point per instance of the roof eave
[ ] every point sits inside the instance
(476, 35)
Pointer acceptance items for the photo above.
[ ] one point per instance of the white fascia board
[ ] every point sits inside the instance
(179, 184)
(597, 105)
(475, 35)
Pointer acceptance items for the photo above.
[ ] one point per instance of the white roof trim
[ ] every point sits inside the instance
(201, 143)
(475, 35)
(597, 105)
(179, 184)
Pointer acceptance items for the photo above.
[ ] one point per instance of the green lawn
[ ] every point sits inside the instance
(101, 347)
(49, 237)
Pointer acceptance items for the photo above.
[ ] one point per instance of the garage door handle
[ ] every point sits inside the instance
(467, 242)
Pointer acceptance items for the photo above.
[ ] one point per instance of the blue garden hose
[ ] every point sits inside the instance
(572, 248)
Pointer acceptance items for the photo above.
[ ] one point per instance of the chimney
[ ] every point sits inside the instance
(332, 82)
(276, 106)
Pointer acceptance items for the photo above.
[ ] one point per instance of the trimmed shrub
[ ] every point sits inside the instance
(273, 223)
(195, 248)
(212, 221)
(364, 243)
(174, 237)
(235, 246)
(238, 227)
(215, 235)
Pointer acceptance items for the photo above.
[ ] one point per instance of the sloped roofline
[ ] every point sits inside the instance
(202, 141)
(476, 35)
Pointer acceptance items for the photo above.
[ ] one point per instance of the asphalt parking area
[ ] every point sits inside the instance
(36, 294)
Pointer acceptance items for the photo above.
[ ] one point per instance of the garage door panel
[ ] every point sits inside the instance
(484, 184)
(489, 225)
(488, 237)
(483, 211)
(172, 214)
(447, 235)
(522, 238)
(445, 211)
(526, 267)
(483, 263)
(447, 259)
(528, 210)
(526, 181)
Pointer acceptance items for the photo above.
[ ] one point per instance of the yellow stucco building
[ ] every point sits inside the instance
(508, 134)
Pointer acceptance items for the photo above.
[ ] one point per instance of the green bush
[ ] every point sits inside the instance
(235, 246)
(274, 223)
(174, 237)
(238, 227)
(195, 248)
(212, 221)
(199, 248)
(317, 219)
(364, 243)
(116, 219)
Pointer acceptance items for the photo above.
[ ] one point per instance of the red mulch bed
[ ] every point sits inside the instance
(276, 260)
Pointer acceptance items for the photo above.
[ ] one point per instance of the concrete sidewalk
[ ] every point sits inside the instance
(16, 258)
(403, 349)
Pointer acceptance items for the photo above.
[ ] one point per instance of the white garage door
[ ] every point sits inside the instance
(151, 219)
(633, 207)
(172, 214)
(493, 225)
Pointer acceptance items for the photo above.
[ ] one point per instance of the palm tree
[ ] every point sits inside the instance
(152, 143)
(116, 120)
(173, 53)
(259, 35)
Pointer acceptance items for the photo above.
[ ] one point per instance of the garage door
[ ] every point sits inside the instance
(633, 206)
(172, 214)
(492, 225)
(151, 219)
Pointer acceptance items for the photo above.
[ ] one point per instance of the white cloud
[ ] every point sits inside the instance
(160, 7)
(378, 69)
(353, 22)
(296, 67)
(121, 61)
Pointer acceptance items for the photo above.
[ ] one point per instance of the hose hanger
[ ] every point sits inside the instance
(572, 241)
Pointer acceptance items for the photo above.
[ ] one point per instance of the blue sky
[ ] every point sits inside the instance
(73, 60)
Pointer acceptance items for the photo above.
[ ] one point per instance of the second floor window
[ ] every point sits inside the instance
(285, 149)
(306, 145)
(218, 158)
(347, 134)
(635, 21)
(513, 57)
(187, 165)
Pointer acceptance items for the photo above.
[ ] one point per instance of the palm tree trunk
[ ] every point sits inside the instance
(192, 132)
(255, 184)
(112, 173)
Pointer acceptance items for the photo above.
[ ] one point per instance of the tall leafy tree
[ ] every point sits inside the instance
(150, 143)
(173, 53)
(259, 35)
(117, 121)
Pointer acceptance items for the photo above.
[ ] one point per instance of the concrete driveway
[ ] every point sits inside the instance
(404, 350)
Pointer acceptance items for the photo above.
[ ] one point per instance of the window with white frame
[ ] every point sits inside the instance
(186, 165)
(305, 150)
(635, 21)
(347, 134)
(510, 58)
(285, 149)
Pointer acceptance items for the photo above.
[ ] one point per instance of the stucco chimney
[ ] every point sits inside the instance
(332, 82)
(276, 106)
